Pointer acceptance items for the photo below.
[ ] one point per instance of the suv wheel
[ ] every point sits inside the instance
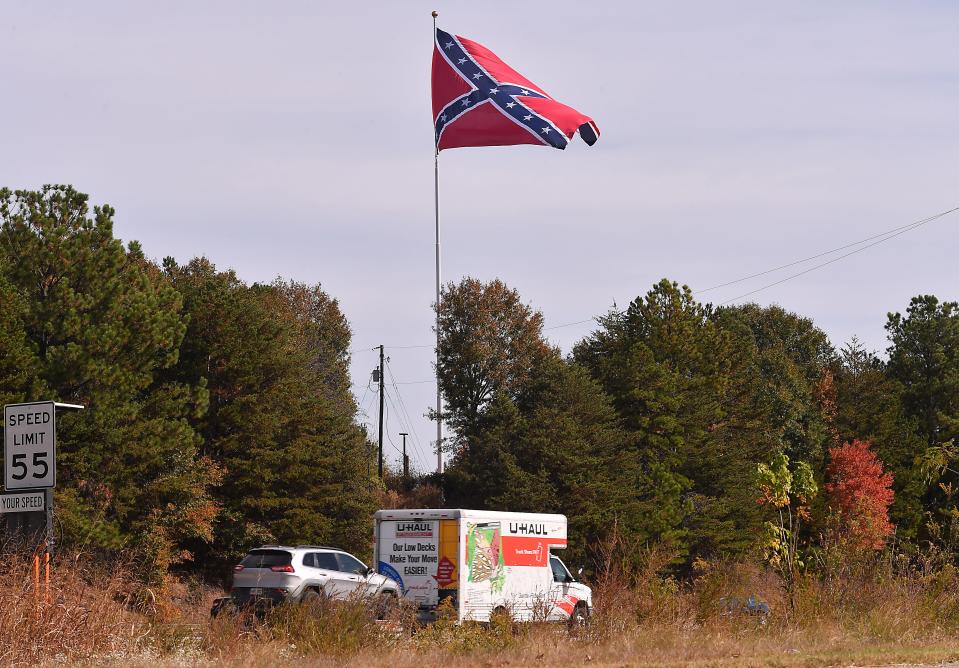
(384, 604)
(311, 597)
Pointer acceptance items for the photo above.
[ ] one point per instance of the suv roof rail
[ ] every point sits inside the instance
(318, 547)
(287, 547)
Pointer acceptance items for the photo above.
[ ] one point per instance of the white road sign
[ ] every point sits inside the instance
(29, 445)
(23, 502)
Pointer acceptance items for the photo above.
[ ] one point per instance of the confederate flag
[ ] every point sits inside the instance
(478, 100)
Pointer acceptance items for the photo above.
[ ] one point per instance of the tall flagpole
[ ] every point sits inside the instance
(436, 202)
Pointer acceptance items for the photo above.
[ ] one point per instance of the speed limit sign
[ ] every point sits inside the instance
(30, 445)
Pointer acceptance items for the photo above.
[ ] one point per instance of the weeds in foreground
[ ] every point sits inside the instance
(83, 613)
(641, 617)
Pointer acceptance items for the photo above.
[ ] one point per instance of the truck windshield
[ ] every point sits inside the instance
(266, 559)
(560, 574)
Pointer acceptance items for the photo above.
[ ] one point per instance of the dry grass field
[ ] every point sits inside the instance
(98, 617)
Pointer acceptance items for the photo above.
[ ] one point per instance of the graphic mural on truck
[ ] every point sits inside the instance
(484, 554)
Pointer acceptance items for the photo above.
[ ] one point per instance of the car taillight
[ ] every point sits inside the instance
(282, 569)
(238, 568)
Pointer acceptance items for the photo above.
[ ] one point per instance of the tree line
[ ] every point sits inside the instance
(219, 413)
(723, 432)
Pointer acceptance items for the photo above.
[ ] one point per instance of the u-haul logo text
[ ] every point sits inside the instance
(414, 529)
(527, 529)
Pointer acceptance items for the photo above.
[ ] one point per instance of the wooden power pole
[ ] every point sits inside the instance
(382, 390)
(406, 460)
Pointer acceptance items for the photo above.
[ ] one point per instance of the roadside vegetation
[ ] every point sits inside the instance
(738, 486)
(881, 613)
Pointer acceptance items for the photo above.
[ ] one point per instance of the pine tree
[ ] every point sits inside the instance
(555, 448)
(675, 377)
(19, 367)
(280, 419)
(795, 361)
(102, 324)
(924, 358)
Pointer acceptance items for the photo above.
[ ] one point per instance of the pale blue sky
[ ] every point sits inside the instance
(294, 138)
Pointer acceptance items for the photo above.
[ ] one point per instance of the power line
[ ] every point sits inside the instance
(901, 231)
(399, 397)
(889, 233)
(388, 437)
(399, 417)
(359, 350)
(568, 324)
(368, 383)
(421, 451)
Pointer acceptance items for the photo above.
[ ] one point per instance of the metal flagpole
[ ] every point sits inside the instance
(436, 202)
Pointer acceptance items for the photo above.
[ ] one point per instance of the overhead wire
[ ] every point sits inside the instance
(888, 233)
(568, 324)
(417, 444)
(386, 424)
(901, 231)
(389, 435)
(399, 397)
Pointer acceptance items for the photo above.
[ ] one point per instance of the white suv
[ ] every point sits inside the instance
(278, 573)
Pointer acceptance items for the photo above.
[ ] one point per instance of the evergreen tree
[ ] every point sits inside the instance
(795, 361)
(556, 448)
(19, 368)
(280, 419)
(924, 358)
(675, 376)
(102, 324)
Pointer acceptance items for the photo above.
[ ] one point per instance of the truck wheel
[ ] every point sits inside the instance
(579, 618)
(500, 618)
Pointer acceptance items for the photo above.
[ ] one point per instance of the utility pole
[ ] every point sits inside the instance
(382, 371)
(406, 460)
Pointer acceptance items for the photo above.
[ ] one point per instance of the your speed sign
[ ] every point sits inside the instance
(29, 445)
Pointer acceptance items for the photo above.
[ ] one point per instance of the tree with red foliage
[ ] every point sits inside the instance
(860, 494)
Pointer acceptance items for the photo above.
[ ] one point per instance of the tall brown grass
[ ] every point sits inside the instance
(874, 610)
(84, 612)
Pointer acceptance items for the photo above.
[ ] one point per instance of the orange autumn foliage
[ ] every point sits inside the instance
(860, 493)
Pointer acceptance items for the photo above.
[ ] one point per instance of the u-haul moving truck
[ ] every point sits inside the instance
(482, 561)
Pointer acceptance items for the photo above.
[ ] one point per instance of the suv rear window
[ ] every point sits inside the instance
(266, 559)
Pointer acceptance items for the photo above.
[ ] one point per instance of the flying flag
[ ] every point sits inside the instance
(478, 100)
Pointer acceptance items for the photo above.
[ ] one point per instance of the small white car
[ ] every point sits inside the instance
(278, 573)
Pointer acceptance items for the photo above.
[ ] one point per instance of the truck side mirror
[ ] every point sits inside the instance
(579, 573)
